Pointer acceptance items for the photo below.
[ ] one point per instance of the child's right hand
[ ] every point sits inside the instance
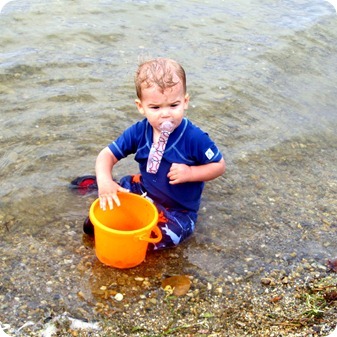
(107, 188)
(107, 193)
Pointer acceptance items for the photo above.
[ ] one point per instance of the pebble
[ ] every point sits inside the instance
(266, 281)
(119, 297)
(219, 290)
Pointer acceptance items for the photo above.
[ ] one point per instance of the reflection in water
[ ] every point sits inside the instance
(262, 82)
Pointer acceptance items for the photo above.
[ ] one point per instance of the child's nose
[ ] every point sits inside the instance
(165, 112)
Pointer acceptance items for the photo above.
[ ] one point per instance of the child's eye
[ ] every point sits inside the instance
(174, 105)
(155, 107)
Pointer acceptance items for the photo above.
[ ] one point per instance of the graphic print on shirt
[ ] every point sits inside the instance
(209, 154)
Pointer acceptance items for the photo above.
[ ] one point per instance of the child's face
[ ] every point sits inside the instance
(158, 106)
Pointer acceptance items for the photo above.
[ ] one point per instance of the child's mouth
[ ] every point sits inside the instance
(167, 126)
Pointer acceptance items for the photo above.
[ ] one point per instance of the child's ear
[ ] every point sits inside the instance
(187, 100)
(139, 106)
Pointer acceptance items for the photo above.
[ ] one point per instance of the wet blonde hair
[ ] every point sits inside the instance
(161, 72)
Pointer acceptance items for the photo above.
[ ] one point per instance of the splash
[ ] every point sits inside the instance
(3, 333)
(3, 3)
(333, 3)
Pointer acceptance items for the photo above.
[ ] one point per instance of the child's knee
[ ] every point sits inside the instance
(132, 183)
(173, 235)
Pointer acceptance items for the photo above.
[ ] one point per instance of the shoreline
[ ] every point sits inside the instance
(300, 303)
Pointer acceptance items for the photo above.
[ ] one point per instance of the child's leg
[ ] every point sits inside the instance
(133, 184)
(176, 226)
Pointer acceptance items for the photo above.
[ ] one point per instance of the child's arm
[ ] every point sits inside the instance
(181, 173)
(107, 188)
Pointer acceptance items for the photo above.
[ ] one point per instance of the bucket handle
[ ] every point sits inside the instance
(158, 234)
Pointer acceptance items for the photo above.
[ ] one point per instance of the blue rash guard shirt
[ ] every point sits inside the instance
(187, 144)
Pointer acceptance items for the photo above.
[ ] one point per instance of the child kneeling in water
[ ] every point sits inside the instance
(175, 157)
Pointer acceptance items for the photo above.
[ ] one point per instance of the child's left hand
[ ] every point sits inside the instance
(179, 173)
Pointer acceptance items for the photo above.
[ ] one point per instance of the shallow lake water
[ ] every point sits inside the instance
(262, 79)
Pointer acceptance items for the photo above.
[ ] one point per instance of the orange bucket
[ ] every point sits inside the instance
(122, 234)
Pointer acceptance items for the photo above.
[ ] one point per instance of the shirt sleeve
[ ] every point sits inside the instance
(127, 142)
(204, 150)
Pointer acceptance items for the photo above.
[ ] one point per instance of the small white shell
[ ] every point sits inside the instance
(119, 297)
